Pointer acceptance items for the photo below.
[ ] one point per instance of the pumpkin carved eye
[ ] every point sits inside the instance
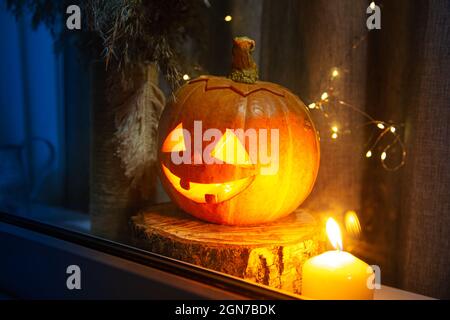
(175, 140)
(230, 150)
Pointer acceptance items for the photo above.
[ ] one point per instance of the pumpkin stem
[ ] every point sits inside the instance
(243, 67)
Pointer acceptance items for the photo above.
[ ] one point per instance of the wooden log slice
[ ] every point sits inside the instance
(272, 254)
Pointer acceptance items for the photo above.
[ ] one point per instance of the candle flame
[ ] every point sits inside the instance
(334, 233)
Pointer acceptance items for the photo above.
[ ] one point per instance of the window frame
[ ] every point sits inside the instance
(199, 276)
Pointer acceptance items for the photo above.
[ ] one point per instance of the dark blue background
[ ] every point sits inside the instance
(44, 117)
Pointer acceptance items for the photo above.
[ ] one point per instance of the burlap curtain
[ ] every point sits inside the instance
(424, 242)
(398, 73)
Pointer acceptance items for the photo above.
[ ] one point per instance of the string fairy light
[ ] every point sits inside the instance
(386, 132)
(334, 73)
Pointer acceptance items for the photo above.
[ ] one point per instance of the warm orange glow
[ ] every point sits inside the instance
(175, 140)
(207, 192)
(229, 149)
(334, 233)
(352, 224)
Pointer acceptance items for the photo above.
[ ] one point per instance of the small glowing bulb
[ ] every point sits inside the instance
(380, 125)
(228, 18)
(334, 135)
(324, 96)
(334, 129)
(393, 129)
(186, 77)
(312, 105)
(369, 154)
(335, 73)
(372, 5)
(383, 155)
(352, 224)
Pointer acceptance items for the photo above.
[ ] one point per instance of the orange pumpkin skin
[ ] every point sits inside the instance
(223, 104)
(237, 194)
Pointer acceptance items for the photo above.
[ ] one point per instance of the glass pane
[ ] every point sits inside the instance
(291, 144)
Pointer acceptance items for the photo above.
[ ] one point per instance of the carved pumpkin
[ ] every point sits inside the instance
(218, 145)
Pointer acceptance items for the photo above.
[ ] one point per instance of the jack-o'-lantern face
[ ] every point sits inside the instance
(225, 154)
(237, 157)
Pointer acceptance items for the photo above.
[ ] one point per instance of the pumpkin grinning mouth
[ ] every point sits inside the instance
(210, 193)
